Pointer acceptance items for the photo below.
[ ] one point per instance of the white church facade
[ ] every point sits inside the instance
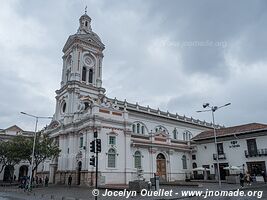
(133, 137)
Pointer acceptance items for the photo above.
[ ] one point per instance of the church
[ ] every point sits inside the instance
(137, 141)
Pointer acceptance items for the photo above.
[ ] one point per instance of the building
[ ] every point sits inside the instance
(20, 169)
(136, 140)
(241, 146)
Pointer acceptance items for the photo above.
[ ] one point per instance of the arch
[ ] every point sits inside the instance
(111, 158)
(64, 106)
(139, 127)
(8, 173)
(84, 74)
(161, 128)
(90, 76)
(23, 171)
(187, 135)
(184, 162)
(161, 166)
(138, 160)
(194, 165)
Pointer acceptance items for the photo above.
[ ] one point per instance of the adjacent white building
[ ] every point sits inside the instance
(20, 169)
(133, 136)
(243, 146)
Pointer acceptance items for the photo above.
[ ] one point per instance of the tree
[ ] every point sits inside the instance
(10, 155)
(45, 148)
(20, 148)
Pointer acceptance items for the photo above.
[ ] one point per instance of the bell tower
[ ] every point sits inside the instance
(81, 72)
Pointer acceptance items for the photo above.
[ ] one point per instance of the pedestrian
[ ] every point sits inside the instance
(248, 178)
(40, 181)
(264, 176)
(46, 181)
(69, 180)
(241, 177)
(27, 184)
(36, 180)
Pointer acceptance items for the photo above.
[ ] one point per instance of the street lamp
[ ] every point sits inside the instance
(212, 109)
(34, 141)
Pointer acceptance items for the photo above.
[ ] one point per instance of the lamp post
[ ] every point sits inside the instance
(34, 141)
(212, 109)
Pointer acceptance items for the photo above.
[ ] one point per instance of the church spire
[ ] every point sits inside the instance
(85, 23)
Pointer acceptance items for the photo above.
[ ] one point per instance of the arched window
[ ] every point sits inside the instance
(161, 128)
(134, 128)
(194, 165)
(84, 74)
(86, 105)
(111, 158)
(138, 128)
(137, 160)
(184, 162)
(86, 23)
(90, 76)
(64, 105)
(143, 130)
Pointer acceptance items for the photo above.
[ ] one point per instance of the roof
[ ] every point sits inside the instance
(157, 112)
(14, 127)
(240, 129)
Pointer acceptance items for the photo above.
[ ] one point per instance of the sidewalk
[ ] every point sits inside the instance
(59, 192)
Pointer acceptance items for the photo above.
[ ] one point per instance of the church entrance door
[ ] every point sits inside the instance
(161, 166)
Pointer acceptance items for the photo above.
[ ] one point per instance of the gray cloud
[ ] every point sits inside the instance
(169, 54)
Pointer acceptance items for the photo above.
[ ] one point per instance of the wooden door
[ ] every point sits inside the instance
(161, 166)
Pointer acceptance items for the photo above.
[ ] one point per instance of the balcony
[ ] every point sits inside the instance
(220, 156)
(259, 152)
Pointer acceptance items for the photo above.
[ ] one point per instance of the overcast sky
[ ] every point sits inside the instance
(174, 55)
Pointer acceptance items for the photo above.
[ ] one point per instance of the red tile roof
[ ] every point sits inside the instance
(231, 131)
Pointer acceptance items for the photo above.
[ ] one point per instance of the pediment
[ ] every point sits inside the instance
(161, 134)
(88, 39)
(13, 128)
(54, 124)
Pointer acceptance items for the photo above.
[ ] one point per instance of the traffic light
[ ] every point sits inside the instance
(95, 134)
(92, 161)
(98, 145)
(92, 146)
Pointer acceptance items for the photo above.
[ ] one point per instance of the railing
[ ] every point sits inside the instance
(259, 152)
(221, 156)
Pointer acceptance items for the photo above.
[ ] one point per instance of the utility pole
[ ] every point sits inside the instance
(95, 147)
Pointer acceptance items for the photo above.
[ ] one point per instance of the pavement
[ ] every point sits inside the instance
(59, 192)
